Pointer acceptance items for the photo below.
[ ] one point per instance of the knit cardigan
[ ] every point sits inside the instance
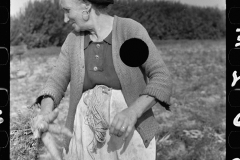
(70, 68)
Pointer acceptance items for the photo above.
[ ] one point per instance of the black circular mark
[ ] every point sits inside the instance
(134, 52)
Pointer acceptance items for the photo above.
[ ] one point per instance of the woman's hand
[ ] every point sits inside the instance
(40, 123)
(44, 123)
(43, 126)
(124, 122)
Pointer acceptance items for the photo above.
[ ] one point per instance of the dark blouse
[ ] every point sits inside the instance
(99, 64)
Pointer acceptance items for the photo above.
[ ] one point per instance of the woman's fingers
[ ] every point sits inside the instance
(116, 125)
(54, 128)
(113, 124)
(36, 125)
(119, 126)
(128, 131)
(40, 123)
(58, 129)
(43, 126)
(122, 127)
(51, 146)
(117, 129)
(123, 122)
(51, 116)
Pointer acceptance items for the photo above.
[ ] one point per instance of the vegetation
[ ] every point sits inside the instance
(195, 127)
(173, 20)
(42, 24)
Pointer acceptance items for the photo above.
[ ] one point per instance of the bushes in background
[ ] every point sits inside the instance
(42, 24)
(173, 20)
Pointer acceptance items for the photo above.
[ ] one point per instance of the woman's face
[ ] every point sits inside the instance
(73, 14)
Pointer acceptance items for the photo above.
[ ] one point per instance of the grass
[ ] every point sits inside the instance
(193, 130)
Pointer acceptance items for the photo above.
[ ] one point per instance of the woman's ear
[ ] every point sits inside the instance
(87, 5)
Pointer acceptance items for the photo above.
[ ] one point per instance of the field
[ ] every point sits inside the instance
(193, 130)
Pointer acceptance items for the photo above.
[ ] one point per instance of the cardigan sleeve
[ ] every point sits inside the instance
(159, 83)
(59, 79)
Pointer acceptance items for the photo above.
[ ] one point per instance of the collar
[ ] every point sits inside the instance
(108, 39)
(88, 41)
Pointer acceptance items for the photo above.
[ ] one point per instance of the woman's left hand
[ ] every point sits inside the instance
(124, 122)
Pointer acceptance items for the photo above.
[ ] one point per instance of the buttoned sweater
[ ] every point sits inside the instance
(151, 78)
(99, 69)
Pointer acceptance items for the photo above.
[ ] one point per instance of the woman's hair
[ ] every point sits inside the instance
(101, 7)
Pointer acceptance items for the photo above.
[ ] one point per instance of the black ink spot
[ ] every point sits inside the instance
(134, 52)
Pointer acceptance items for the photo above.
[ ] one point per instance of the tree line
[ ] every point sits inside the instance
(42, 25)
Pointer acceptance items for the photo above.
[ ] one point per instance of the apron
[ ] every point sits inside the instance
(92, 141)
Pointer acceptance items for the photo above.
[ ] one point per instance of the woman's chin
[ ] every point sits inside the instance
(76, 28)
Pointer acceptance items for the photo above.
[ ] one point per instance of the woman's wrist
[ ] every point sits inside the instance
(47, 96)
(47, 105)
(142, 104)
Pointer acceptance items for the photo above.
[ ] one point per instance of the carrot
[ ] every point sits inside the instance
(46, 127)
(40, 123)
(58, 129)
(51, 146)
(43, 127)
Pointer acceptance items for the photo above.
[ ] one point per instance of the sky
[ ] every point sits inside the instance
(17, 5)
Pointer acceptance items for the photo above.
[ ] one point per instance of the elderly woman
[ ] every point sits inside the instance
(110, 115)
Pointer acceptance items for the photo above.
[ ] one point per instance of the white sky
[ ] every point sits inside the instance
(16, 5)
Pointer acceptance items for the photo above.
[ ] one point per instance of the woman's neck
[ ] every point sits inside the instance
(101, 27)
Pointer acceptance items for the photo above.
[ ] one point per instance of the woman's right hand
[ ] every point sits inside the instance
(44, 123)
(43, 126)
(40, 123)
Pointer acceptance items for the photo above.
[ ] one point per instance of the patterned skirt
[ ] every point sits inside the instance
(92, 141)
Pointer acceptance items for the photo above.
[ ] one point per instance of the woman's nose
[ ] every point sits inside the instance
(66, 19)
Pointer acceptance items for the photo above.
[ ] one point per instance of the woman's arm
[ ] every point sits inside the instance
(59, 79)
(158, 88)
(55, 88)
(142, 104)
(47, 105)
(159, 83)
(125, 120)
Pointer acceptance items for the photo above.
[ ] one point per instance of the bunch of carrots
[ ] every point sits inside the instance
(43, 127)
